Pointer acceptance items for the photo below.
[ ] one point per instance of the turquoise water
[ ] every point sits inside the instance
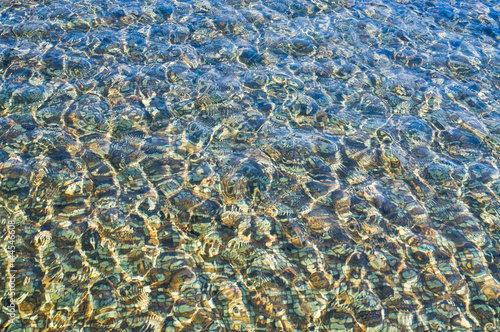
(250, 165)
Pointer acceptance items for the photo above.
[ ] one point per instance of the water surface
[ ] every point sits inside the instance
(250, 165)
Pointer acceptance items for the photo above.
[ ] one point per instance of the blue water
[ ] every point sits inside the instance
(250, 165)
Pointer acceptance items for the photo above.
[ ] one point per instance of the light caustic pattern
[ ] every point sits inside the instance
(273, 165)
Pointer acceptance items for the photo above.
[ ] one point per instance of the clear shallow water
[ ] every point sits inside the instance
(250, 166)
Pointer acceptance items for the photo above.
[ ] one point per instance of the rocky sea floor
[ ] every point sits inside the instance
(273, 165)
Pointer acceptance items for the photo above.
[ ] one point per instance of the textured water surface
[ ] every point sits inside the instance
(273, 165)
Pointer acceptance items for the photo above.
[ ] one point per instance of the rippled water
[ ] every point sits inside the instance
(276, 165)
